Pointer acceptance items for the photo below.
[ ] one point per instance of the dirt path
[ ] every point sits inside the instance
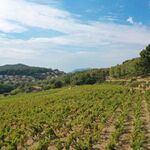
(146, 125)
(106, 132)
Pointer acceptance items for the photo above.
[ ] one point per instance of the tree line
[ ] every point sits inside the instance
(79, 78)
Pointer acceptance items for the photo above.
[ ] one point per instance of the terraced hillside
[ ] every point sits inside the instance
(100, 117)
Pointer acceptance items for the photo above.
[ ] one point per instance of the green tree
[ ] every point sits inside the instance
(58, 84)
(5, 88)
(145, 60)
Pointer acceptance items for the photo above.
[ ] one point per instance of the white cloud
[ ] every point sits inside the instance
(7, 26)
(28, 14)
(95, 40)
(45, 51)
(34, 15)
(130, 20)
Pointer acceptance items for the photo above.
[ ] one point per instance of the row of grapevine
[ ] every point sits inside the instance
(70, 118)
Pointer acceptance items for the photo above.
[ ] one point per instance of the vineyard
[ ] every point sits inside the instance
(98, 117)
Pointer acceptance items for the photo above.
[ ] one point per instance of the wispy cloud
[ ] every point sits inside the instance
(34, 15)
(81, 41)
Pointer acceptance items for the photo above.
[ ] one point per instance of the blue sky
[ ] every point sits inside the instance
(70, 34)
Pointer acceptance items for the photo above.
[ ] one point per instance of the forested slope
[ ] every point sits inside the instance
(134, 67)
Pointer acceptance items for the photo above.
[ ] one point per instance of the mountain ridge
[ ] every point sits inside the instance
(22, 69)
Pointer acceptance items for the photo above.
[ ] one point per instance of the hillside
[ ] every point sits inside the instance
(83, 117)
(24, 70)
(133, 68)
(128, 68)
(22, 78)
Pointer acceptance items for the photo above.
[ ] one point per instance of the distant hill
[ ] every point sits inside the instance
(14, 67)
(24, 70)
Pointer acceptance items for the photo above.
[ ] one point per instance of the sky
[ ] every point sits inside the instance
(73, 34)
